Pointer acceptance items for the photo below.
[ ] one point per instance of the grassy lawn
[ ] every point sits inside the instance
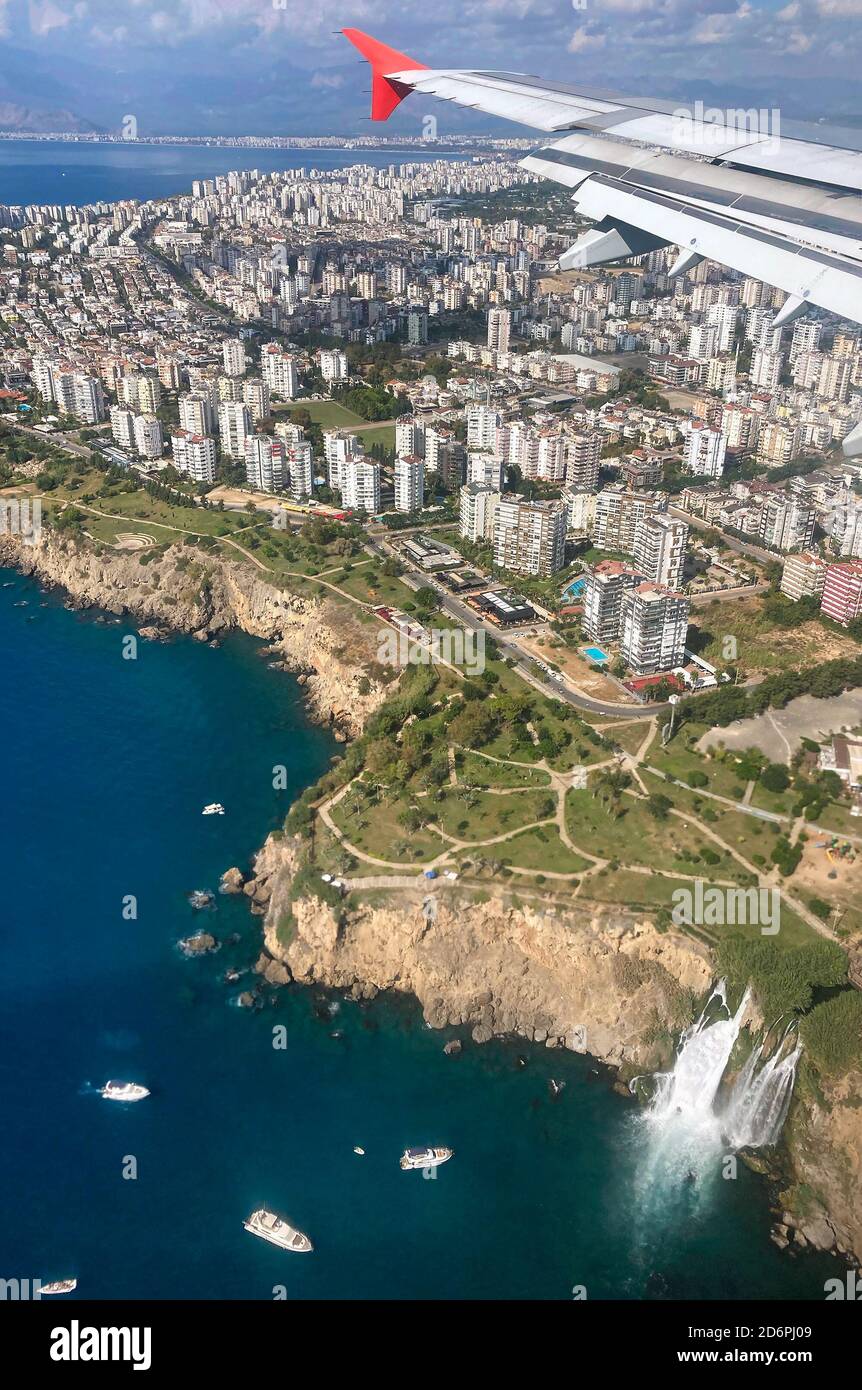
(636, 837)
(328, 414)
(484, 773)
(779, 802)
(490, 815)
(639, 891)
(678, 761)
(630, 736)
(838, 819)
(543, 851)
(376, 830)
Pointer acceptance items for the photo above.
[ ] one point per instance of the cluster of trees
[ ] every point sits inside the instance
(371, 402)
(784, 980)
(729, 703)
(832, 1033)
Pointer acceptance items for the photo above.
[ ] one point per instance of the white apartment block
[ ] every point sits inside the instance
(264, 463)
(279, 372)
(847, 530)
(197, 414)
(148, 436)
(123, 426)
(409, 484)
(333, 364)
(485, 470)
(803, 576)
(478, 503)
(653, 628)
(409, 437)
(580, 509)
(605, 586)
(583, 456)
(805, 338)
(619, 514)
(786, 523)
(766, 368)
(234, 422)
(705, 451)
(233, 355)
(659, 550)
(195, 455)
(299, 457)
(338, 447)
(360, 489)
(499, 329)
(529, 537)
(482, 426)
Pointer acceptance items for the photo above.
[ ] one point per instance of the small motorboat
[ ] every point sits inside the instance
(123, 1091)
(357, 1150)
(424, 1158)
(270, 1227)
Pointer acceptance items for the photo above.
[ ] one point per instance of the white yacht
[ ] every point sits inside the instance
(59, 1286)
(215, 808)
(424, 1158)
(124, 1090)
(270, 1227)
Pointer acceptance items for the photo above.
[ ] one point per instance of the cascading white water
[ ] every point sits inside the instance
(761, 1095)
(685, 1136)
(684, 1123)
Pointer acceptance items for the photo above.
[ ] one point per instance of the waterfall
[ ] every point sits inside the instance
(683, 1117)
(761, 1095)
(685, 1135)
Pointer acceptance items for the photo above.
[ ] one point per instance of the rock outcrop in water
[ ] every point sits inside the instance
(188, 591)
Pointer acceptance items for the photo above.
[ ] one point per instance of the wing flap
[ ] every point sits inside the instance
(808, 274)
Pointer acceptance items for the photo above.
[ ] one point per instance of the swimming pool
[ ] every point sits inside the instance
(595, 654)
(575, 589)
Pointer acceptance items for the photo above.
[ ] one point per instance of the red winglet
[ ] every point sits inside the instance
(385, 93)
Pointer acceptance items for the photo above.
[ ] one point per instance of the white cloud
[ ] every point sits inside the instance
(582, 40)
(46, 16)
(847, 9)
(327, 81)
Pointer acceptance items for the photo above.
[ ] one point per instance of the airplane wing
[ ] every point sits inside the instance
(783, 208)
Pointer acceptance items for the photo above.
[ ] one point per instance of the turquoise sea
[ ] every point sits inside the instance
(106, 765)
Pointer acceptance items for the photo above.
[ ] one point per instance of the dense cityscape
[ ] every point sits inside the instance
(625, 440)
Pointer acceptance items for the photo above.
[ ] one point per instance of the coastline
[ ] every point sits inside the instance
(611, 986)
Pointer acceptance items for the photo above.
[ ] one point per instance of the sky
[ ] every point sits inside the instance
(277, 66)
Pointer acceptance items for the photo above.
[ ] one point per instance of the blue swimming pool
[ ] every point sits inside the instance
(576, 588)
(595, 654)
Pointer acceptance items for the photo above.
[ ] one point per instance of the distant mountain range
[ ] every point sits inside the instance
(29, 120)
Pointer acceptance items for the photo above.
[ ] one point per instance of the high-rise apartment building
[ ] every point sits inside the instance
(529, 537)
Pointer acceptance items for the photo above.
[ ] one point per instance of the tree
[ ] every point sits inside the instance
(775, 777)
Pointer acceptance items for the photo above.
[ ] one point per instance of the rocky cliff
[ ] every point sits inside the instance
(824, 1145)
(186, 590)
(595, 981)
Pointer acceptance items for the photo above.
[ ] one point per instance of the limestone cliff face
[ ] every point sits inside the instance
(824, 1140)
(188, 591)
(604, 984)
